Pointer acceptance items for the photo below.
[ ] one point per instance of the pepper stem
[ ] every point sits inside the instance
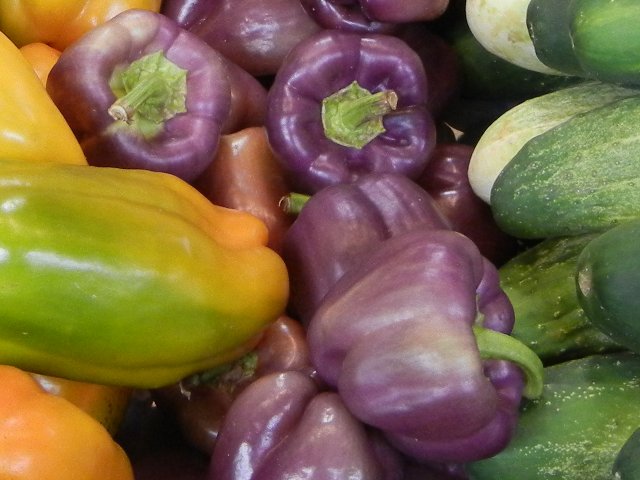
(149, 91)
(500, 346)
(352, 116)
(293, 202)
(147, 88)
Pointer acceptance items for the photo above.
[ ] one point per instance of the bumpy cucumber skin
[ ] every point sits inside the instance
(581, 176)
(540, 283)
(575, 430)
(511, 131)
(607, 280)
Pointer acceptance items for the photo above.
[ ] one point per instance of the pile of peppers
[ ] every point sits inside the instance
(237, 241)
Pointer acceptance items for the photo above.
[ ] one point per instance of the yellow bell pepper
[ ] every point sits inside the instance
(45, 437)
(58, 23)
(31, 126)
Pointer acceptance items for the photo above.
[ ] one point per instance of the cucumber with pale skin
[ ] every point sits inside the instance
(595, 39)
(489, 77)
(580, 176)
(511, 131)
(500, 26)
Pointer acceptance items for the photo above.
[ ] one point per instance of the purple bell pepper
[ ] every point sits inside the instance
(254, 34)
(372, 15)
(447, 181)
(283, 426)
(140, 92)
(338, 226)
(344, 104)
(416, 341)
(349, 16)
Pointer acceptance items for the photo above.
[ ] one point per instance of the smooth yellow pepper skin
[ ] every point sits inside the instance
(32, 129)
(128, 277)
(45, 437)
(58, 23)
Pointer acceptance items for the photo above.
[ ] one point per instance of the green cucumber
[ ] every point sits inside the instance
(508, 133)
(608, 280)
(588, 410)
(581, 176)
(606, 39)
(548, 22)
(540, 283)
(627, 463)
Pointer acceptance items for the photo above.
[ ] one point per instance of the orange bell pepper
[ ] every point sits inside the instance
(45, 437)
(58, 23)
(31, 126)
(105, 403)
(42, 58)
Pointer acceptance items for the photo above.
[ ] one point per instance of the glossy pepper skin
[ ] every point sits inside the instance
(340, 225)
(170, 283)
(31, 127)
(412, 340)
(140, 92)
(106, 403)
(344, 104)
(254, 34)
(372, 15)
(245, 175)
(58, 23)
(46, 437)
(283, 426)
(447, 181)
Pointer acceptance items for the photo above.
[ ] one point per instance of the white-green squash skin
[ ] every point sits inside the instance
(510, 132)
(581, 176)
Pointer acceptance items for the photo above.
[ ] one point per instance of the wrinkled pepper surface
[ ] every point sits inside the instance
(140, 92)
(344, 104)
(45, 437)
(416, 341)
(283, 426)
(59, 23)
(128, 277)
(340, 225)
(31, 127)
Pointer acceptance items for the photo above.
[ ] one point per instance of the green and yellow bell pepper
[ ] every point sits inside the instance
(128, 277)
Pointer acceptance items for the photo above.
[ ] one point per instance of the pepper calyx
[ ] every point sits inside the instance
(149, 91)
(353, 116)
